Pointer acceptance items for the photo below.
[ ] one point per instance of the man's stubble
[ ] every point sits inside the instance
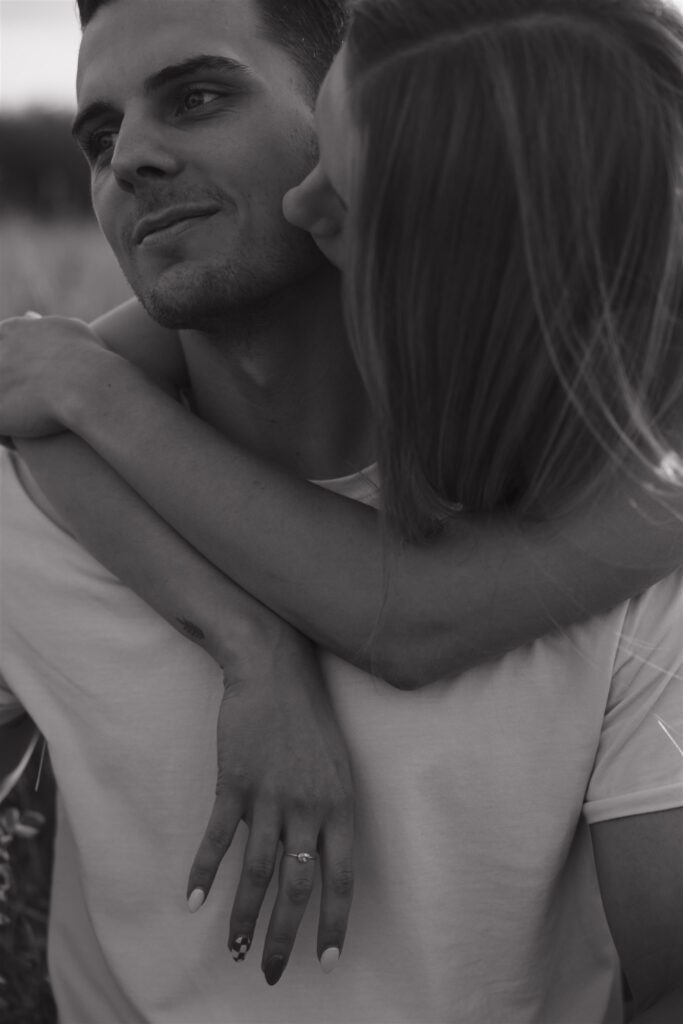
(199, 295)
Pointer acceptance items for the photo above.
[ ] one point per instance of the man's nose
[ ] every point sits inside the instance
(142, 151)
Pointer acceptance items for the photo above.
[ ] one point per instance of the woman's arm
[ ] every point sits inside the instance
(409, 613)
(279, 746)
(129, 331)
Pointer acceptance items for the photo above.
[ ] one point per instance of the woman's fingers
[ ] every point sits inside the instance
(298, 866)
(257, 870)
(225, 817)
(304, 851)
(336, 855)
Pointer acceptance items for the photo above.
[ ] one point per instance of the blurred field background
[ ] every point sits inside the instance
(26, 840)
(56, 266)
(52, 260)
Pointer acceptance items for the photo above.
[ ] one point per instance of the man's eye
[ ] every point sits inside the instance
(98, 143)
(195, 98)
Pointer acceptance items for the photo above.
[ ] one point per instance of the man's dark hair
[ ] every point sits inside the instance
(311, 31)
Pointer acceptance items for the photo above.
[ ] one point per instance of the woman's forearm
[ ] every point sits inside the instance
(410, 613)
(129, 331)
(123, 533)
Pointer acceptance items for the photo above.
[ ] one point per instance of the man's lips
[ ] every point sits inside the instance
(158, 226)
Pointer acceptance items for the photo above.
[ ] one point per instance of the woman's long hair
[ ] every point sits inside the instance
(517, 246)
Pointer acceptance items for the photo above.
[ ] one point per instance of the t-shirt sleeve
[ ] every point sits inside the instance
(10, 707)
(639, 764)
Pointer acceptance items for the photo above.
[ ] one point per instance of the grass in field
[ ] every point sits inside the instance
(26, 838)
(66, 268)
(57, 267)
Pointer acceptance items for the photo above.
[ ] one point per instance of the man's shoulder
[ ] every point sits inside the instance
(638, 766)
(654, 619)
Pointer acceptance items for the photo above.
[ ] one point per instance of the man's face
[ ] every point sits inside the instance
(195, 125)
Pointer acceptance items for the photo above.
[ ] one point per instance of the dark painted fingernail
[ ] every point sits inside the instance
(273, 969)
(239, 948)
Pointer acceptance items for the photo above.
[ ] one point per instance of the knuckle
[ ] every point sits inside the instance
(341, 882)
(304, 805)
(271, 796)
(216, 836)
(342, 818)
(231, 780)
(281, 941)
(257, 871)
(298, 890)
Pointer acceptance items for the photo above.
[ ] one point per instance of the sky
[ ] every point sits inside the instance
(38, 50)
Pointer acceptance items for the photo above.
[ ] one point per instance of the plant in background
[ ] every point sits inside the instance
(25, 864)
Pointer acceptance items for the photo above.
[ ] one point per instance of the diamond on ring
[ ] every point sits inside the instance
(303, 858)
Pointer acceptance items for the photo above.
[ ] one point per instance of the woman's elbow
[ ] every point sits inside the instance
(416, 667)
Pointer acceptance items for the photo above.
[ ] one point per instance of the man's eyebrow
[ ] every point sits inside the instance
(100, 108)
(203, 62)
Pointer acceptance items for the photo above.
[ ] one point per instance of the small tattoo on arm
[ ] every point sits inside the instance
(191, 631)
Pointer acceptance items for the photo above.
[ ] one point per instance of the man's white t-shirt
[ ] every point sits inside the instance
(476, 894)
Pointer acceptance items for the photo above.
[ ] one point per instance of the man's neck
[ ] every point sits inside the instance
(282, 382)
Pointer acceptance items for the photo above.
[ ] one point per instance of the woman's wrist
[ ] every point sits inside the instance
(97, 383)
(245, 631)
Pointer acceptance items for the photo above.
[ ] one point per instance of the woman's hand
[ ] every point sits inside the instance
(282, 768)
(40, 359)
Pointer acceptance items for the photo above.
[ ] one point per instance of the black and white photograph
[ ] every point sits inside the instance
(341, 511)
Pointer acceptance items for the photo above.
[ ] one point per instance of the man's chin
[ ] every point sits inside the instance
(167, 310)
(185, 296)
(197, 296)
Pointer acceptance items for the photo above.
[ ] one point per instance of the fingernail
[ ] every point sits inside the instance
(330, 959)
(195, 900)
(273, 969)
(239, 948)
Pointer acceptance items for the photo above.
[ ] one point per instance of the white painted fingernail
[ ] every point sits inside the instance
(195, 900)
(330, 959)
